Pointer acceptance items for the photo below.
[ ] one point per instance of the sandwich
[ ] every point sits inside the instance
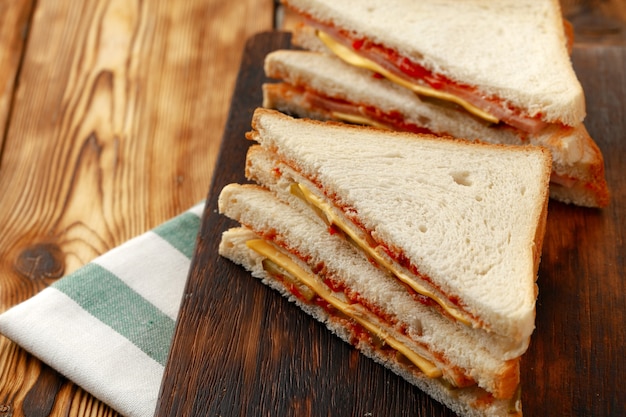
(420, 251)
(518, 84)
(506, 61)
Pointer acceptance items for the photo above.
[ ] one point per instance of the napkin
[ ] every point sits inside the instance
(108, 327)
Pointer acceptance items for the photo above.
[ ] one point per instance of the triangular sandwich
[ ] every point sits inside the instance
(422, 252)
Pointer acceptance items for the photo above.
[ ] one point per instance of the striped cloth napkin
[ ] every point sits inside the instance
(108, 326)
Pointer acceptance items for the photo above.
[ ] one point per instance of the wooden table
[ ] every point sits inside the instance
(111, 116)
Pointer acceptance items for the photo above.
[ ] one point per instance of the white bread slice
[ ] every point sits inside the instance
(469, 217)
(466, 402)
(576, 157)
(513, 49)
(421, 328)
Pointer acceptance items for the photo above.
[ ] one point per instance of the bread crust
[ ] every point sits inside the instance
(260, 113)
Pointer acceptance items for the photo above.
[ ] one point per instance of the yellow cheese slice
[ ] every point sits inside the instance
(333, 219)
(360, 120)
(349, 56)
(271, 252)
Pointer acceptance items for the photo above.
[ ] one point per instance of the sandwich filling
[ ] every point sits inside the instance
(343, 110)
(359, 315)
(362, 52)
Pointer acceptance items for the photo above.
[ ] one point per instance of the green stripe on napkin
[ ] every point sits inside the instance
(178, 233)
(126, 312)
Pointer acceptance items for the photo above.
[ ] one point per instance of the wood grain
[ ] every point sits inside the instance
(14, 20)
(577, 357)
(241, 349)
(115, 124)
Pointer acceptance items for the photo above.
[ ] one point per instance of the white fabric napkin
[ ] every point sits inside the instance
(108, 326)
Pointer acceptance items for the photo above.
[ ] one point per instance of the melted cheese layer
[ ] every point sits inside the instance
(347, 55)
(361, 120)
(269, 251)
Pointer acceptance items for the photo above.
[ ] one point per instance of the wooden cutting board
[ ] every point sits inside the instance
(242, 350)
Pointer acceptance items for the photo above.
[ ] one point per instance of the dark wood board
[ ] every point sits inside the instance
(241, 349)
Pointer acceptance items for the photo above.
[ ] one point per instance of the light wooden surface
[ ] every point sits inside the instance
(111, 115)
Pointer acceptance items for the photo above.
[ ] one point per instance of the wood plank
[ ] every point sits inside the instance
(115, 128)
(14, 22)
(191, 366)
(241, 349)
